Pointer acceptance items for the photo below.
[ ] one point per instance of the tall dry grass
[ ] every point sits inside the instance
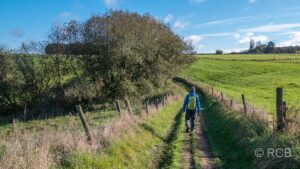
(26, 149)
(251, 112)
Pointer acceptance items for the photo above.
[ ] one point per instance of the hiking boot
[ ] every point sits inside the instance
(192, 129)
(187, 129)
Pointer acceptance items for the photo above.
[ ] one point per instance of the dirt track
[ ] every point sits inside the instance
(188, 150)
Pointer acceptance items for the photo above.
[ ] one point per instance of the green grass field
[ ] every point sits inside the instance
(257, 57)
(96, 119)
(257, 80)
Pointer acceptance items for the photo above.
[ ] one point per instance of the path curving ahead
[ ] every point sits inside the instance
(196, 151)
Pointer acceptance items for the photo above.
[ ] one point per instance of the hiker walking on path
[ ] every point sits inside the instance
(191, 105)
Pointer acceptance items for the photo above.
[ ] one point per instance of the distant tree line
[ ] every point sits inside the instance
(116, 55)
(270, 47)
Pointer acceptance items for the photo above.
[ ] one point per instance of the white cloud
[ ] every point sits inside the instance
(197, 1)
(65, 14)
(68, 15)
(176, 22)
(181, 24)
(220, 34)
(18, 33)
(110, 3)
(168, 18)
(272, 28)
(228, 20)
(293, 41)
(195, 40)
(77, 5)
(234, 50)
(236, 36)
(248, 36)
(251, 1)
(288, 33)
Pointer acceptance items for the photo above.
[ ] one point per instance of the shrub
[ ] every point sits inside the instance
(219, 52)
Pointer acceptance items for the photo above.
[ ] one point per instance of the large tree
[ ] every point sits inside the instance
(270, 47)
(127, 53)
(251, 46)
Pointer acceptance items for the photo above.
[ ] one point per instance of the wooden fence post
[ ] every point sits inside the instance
(156, 104)
(128, 106)
(279, 109)
(231, 103)
(25, 112)
(118, 107)
(244, 104)
(166, 99)
(212, 91)
(85, 124)
(222, 96)
(163, 101)
(284, 110)
(14, 124)
(147, 109)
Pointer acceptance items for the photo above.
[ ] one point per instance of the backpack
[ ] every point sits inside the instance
(192, 103)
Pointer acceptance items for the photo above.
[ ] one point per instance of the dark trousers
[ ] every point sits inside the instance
(190, 116)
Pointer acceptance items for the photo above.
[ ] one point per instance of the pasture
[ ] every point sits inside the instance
(256, 76)
(253, 57)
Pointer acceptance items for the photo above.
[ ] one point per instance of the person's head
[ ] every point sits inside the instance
(193, 89)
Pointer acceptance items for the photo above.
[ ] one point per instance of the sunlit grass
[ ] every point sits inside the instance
(95, 119)
(253, 56)
(140, 148)
(257, 80)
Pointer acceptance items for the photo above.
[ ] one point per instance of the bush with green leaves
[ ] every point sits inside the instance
(116, 55)
(131, 54)
(9, 84)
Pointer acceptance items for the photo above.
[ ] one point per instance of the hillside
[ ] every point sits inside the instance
(239, 74)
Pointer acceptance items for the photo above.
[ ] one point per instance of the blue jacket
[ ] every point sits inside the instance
(187, 99)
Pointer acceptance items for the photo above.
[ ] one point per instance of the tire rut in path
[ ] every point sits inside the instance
(206, 156)
(188, 152)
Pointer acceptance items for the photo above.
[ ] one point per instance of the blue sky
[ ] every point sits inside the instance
(209, 24)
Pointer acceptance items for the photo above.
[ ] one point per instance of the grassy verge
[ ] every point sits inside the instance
(234, 140)
(171, 156)
(140, 147)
